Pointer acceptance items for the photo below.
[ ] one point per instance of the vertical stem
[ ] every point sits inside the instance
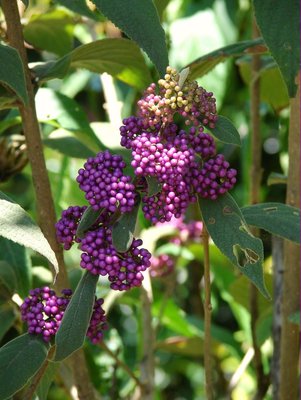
(207, 317)
(290, 345)
(44, 200)
(256, 175)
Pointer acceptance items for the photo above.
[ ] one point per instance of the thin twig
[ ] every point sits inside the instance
(120, 363)
(207, 317)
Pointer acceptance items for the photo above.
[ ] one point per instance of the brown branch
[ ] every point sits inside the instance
(207, 317)
(255, 182)
(290, 345)
(44, 200)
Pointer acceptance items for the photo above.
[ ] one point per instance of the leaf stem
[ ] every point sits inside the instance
(207, 316)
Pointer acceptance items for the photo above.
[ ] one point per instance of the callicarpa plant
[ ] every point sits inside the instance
(127, 269)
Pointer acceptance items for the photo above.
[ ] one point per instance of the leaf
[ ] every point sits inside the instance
(277, 218)
(201, 66)
(20, 359)
(7, 318)
(51, 31)
(70, 116)
(225, 131)
(160, 6)
(8, 276)
(16, 256)
(79, 7)
(281, 34)
(72, 331)
(230, 233)
(17, 225)
(139, 20)
(275, 179)
(63, 142)
(25, 2)
(47, 379)
(123, 230)
(264, 326)
(192, 346)
(153, 186)
(120, 58)
(88, 218)
(12, 72)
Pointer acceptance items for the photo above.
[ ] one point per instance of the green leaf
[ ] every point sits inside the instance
(12, 72)
(70, 116)
(72, 331)
(52, 31)
(191, 346)
(140, 21)
(225, 131)
(282, 44)
(8, 316)
(47, 379)
(8, 276)
(63, 142)
(272, 86)
(275, 179)
(201, 66)
(264, 326)
(153, 186)
(160, 6)
(120, 58)
(277, 218)
(230, 233)
(20, 359)
(16, 256)
(79, 7)
(17, 225)
(123, 230)
(88, 218)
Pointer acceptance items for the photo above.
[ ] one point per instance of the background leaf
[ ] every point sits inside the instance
(139, 20)
(283, 41)
(47, 379)
(8, 276)
(123, 230)
(17, 225)
(79, 7)
(276, 218)
(20, 359)
(8, 316)
(225, 131)
(12, 72)
(229, 231)
(72, 331)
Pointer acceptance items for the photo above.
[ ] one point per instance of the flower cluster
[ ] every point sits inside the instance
(43, 312)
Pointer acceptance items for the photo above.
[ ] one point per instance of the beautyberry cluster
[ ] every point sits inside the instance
(66, 227)
(161, 265)
(98, 322)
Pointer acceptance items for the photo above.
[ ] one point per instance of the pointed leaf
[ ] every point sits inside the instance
(230, 233)
(225, 131)
(20, 359)
(140, 21)
(283, 43)
(12, 72)
(201, 66)
(72, 331)
(88, 218)
(276, 218)
(123, 230)
(17, 225)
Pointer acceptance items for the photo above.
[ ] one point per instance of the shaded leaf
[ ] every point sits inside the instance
(16, 256)
(120, 58)
(72, 331)
(201, 66)
(281, 34)
(17, 225)
(277, 218)
(160, 6)
(79, 7)
(8, 276)
(140, 21)
(12, 73)
(153, 186)
(20, 359)
(47, 379)
(230, 233)
(264, 326)
(7, 318)
(52, 31)
(88, 218)
(225, 131)
(123, 230)
(63, 142)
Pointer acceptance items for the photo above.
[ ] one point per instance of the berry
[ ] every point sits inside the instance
(98, 322)
(161, 266)
(66, 227)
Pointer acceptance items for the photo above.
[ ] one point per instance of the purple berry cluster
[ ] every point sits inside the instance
(100, 257)
(161, 266)
(104, 184)
(43, 312)
(66, 227)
